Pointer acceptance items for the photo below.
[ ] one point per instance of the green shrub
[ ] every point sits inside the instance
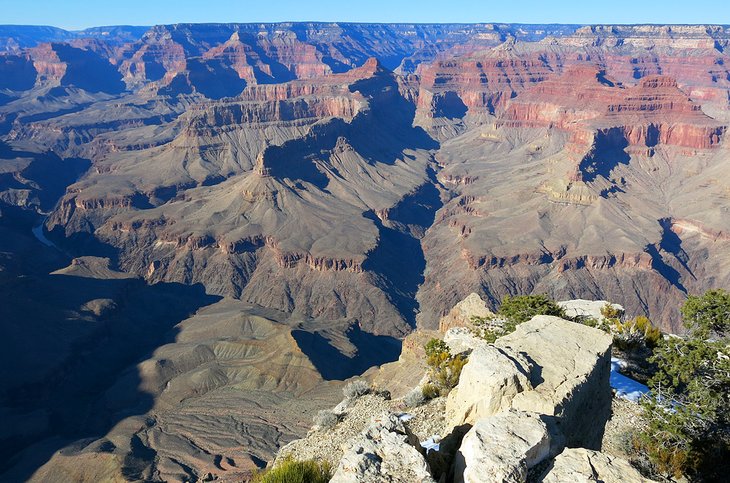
(482, 327)
(446, 375)
(688, 409)
(585, 320)
(635, 333)
(430, 391)
(521, 308)
(445, 368)
(292, 471)
(708, 315)
(436, 351)
(610, 312)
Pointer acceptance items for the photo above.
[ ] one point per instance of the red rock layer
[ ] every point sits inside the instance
(483, 81)
(583, 100)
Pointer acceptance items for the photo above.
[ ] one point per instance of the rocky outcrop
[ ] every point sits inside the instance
(571, 365)
(518, 403)
(488, 384)
(502, 448)
(583, 465)
(462, 339)
(569, 382)
(463, 312)
(386, 451)
(589, 309)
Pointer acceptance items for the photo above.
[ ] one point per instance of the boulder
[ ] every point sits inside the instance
(489, 381)
(461, 314)
(462, 339)
(385, 451)
(579, 465)
(502, 448)
(590, 309)
(570, 370)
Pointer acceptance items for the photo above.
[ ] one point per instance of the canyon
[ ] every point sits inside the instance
(239, 217)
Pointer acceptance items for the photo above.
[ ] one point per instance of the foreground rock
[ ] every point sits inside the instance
(519, 403)
(571, 365)
(386, 451)
(488, 384)
(502, 448)
(589, 309)
(462, 339)
(583, 465)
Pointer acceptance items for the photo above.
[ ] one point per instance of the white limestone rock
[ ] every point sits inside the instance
(384, 452)
(501, 448)
(579, 465)
(489, 382)
(590, 309)
(462, 339)
(571, 366)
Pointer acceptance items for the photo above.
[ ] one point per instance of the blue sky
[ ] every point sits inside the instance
(75, 14)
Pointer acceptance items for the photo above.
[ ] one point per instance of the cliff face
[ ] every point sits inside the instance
(560, 126)
(368, 177)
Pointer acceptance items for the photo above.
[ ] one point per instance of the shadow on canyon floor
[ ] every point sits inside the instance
(371, 350)
(66, 341)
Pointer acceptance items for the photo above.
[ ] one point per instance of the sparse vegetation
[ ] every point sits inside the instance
(445, 368)
(326, 418)
(635, 333)
(485, 328)
(688, 409)
(708, 315)
(593, 322)
(356, 388)
(292, 471)
(447, 375)
(521, 308)
(414, 398)
(430, 391)
(512, 312)
(611, 312)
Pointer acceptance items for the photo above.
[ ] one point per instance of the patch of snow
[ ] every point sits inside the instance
(405, 417)
(625, 387)
(432, 444)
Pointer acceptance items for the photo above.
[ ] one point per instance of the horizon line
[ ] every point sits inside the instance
(344, 22)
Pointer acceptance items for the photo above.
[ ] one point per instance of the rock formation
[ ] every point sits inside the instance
(578, 464)
(463, 312)
(488, 384)
(570, 380)
(386, 451)
(589, 309)
(527, 406)
(502, 448)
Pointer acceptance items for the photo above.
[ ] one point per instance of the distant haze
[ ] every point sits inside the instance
(80, 14)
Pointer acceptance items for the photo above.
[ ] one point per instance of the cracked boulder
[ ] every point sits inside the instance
(569, 376)
(489, 382)
(580, 465)
(502, 448)
(384, 452)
